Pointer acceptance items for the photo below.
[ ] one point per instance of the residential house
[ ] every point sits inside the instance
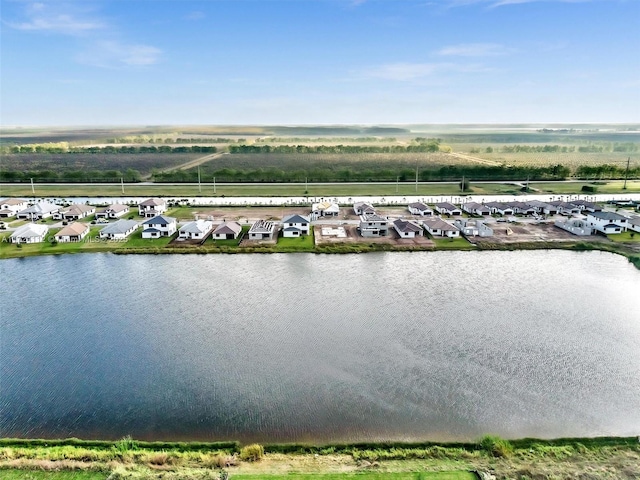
(634, 224)
(152, 207)
(324, 209)
(543, 208)
(119, 230)
(113, 211)
(577, 226)
(607, 222)
(373, 225)
(196, 230)
(360, 208)
(295, 226)
(521, 208)
(473, 228)
(499, 208)
(445, 208)
(585, 206)
(419, 208)
(475, 208)
(38, 211)
(407, 228)
(74, 212)
(9, 207)
(227, 231)
(439, 228)
(73, 232)
(566, 208)
(29, 233)
(159, 226)
(262, 230)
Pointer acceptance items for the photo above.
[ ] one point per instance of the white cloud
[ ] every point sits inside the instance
(56, 18)
(405, 72)
(113, 54)
(474, 50)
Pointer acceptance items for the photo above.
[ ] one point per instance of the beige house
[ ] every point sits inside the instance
(72, 233)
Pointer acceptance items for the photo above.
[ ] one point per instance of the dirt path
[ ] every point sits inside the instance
(470, 158)
(194, 163)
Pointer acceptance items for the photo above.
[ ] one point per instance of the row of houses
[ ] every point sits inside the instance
(601, 221)
(505, 208)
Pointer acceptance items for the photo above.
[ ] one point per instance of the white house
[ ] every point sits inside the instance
(159, 226)
(39, 211)
(74, 212)
(439, 228)
(113, 211)
(360, 208)
(500, 208)
(373, 225)
(72, 233)
(227, 231)
(407, 228)
(196, 230)
(419, 208)
(29, 233)
(473, 227)
(577, 226)
(152, 207)
(565, 208)
(634, 224)
(607, 222)
(119, 230)
(9, 207)
(475, 208)
(446, 208)
(262, 230)
(295, 225)
(324, 209)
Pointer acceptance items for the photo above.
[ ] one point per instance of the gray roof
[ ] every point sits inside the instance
(198, 226)
(419, 206)
(78, 209)
(152, 202)
(406, 226)
(634, 220)
(120, 226)
(295, 218)
(228, 227)
(607, 216)
(41, 207)
(438, 224)
(30, 230)
(159, 220)
(12, 201)
(372, 217)
(447, 206)
(151, 230)
(292, 229)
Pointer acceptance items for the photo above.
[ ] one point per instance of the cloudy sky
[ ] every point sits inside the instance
(159, 62)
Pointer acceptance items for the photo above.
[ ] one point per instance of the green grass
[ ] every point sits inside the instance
(625, 237)
(304, 243)
(459, 243)
(136, 240)
(314, 190)
(53, 475)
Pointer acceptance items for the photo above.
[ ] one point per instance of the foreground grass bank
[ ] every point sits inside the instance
(587, 458)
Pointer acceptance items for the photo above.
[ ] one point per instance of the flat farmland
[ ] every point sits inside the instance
(572, 160)
(69, 162)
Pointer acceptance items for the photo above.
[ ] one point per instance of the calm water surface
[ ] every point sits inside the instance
(302, 347)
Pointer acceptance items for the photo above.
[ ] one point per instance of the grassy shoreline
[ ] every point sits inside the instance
(527, 458)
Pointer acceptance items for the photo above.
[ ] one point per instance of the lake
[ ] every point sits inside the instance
(302, 347)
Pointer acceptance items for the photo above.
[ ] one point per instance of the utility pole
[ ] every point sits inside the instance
(33, 190)
(626, 174)
(199, 184)
(397, 180)
(122, 184)
(462, 184)
(416, 178)
(214, 185)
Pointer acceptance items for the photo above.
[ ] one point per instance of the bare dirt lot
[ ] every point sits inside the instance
(505, 233)
(353, 236)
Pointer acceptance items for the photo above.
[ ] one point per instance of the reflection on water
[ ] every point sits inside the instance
(302, 347)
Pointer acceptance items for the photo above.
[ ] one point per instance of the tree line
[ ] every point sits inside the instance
(432, 147)
(62, 148)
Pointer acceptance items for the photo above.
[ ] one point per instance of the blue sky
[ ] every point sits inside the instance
(163, 62)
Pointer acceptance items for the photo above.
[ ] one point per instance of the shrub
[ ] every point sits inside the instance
(252, 453)
(126, 444)
(589, 188)
(496, 446)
